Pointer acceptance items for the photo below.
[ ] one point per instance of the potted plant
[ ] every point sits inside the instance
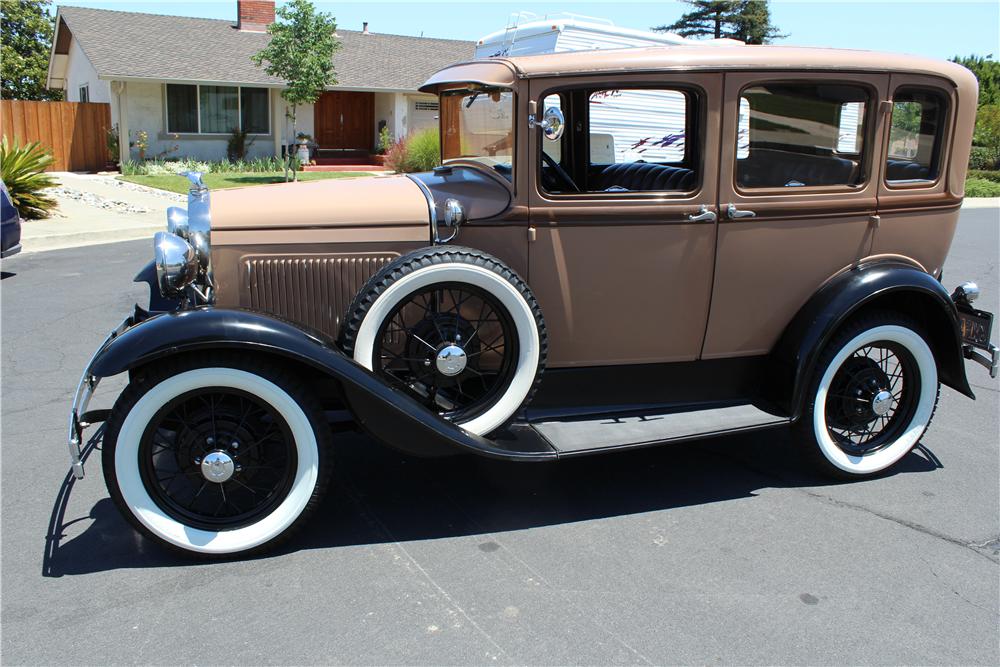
(385, 142)
(111, 141)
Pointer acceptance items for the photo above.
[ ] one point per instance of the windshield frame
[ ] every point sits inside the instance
(484, 160)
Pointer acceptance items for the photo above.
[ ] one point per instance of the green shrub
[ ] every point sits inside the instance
(984, 157)
(384, 141)
(987, 131)
(980, 187)
(161, 167)
(989, 175)
(420, 151)
(22, 169)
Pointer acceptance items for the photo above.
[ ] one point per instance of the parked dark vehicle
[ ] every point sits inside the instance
(760, 244)
(10, 225)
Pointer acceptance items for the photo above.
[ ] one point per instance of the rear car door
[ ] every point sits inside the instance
(621, 259)
(797, 197)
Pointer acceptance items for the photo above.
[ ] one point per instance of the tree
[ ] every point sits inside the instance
(301, 54)
(987, 71)
(746, 20)
(25, 40)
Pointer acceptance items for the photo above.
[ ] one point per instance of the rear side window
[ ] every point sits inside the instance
(801, 135)
(915, 135)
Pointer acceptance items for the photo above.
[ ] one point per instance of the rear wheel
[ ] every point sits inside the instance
(872, 396)
(217, 458)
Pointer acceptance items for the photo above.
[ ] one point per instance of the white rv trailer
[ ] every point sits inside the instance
(620, 122)
(627, 125)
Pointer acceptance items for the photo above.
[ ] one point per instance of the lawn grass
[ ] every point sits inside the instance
(180, 184)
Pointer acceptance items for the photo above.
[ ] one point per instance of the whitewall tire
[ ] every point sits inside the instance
(462, 284)
(271, 454)
(872, 397)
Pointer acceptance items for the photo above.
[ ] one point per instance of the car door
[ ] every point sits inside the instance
(797, 197)
(622, 269)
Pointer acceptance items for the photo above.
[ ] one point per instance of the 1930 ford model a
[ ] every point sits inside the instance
(723, 238)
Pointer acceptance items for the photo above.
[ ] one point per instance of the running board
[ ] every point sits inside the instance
(587, 436)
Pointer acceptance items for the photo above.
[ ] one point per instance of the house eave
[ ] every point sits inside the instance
(255, 84)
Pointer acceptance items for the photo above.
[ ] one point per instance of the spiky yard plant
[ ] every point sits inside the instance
(22, 169)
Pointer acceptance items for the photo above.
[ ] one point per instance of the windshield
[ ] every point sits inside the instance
(477, 123)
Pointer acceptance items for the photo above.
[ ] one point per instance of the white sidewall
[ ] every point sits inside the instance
(504, 292)
(886, 456)
(229, 541)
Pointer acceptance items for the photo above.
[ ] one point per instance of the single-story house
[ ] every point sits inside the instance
(187, 82)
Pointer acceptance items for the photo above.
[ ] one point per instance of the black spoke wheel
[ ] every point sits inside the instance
(217, 458)
(452, 346)
(872, 397)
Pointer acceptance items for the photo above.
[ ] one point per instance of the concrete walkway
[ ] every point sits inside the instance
(97, 209)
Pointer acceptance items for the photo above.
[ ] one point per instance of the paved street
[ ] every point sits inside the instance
(727, 551)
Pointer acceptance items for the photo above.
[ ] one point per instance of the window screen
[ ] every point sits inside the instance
(915, 135)
(182, 108)
(219, 108)
(800, 135)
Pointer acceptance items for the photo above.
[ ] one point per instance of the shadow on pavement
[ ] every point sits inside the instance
(378, 496)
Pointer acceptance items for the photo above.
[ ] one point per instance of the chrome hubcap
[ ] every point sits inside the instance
(217, 467)
(451, 360)
(882, 403)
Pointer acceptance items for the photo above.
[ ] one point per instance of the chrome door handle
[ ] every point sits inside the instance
(703, 215)
(735, 213)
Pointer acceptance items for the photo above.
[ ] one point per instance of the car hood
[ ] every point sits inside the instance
(351, 202)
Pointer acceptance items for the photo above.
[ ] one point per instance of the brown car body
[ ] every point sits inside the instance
(549, 292)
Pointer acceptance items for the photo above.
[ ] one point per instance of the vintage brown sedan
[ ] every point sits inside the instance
(621, 249)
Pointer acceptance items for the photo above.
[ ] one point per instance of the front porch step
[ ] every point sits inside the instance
(583, 436)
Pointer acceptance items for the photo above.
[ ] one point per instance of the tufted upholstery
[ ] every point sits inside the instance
(904, 170)
(642, 176)
(768, 168)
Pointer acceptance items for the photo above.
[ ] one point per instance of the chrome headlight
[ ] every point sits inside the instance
(176, 263)
(177, 221)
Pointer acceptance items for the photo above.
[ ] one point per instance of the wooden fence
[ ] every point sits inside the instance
(76, 132)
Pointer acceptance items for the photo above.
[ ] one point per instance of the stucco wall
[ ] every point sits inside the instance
(80, 72)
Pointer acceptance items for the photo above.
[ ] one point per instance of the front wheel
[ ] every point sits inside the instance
(872, 396)
(216, 456)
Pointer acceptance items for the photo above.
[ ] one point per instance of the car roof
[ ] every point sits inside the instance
(698, 57)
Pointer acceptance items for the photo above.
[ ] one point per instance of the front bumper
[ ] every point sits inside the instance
(79, 418)
(990, 360)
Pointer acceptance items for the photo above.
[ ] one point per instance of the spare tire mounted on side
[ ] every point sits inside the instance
(456, 329)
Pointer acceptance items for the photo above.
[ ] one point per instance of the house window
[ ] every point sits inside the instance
(85, 93)
(194, 109)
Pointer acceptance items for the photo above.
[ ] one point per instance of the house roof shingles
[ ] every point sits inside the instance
(152, 46)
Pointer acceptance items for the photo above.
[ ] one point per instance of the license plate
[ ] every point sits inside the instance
(976, 326)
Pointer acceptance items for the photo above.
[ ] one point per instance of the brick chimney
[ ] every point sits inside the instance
(254, 15)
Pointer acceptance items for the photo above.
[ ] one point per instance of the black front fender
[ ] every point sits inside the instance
(386, 413)
(884, 285)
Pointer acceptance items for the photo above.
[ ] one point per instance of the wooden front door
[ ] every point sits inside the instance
(345, 120)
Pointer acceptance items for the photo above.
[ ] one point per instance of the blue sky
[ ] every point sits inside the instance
(938, 29)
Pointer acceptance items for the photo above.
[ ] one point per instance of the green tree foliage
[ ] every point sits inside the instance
(25, 39)
(987, 71)
(746, 20)
(300, 53)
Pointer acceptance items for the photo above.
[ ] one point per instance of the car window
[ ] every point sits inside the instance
(801, 135)
(915, 135)
(624, 140)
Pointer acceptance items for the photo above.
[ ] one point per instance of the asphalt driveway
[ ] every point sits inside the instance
(723, 552)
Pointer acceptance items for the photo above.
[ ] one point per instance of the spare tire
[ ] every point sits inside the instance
(456, 329)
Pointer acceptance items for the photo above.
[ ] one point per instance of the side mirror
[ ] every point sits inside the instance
(552, 123)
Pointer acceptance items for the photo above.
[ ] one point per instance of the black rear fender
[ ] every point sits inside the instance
(883, 286)
(387, 414)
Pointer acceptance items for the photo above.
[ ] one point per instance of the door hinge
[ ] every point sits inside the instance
(874, 220)
(532, 235)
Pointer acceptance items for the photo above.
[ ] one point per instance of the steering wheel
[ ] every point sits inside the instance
(559, 171)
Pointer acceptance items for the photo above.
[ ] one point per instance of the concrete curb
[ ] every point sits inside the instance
(981, 202)
(78, 238)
